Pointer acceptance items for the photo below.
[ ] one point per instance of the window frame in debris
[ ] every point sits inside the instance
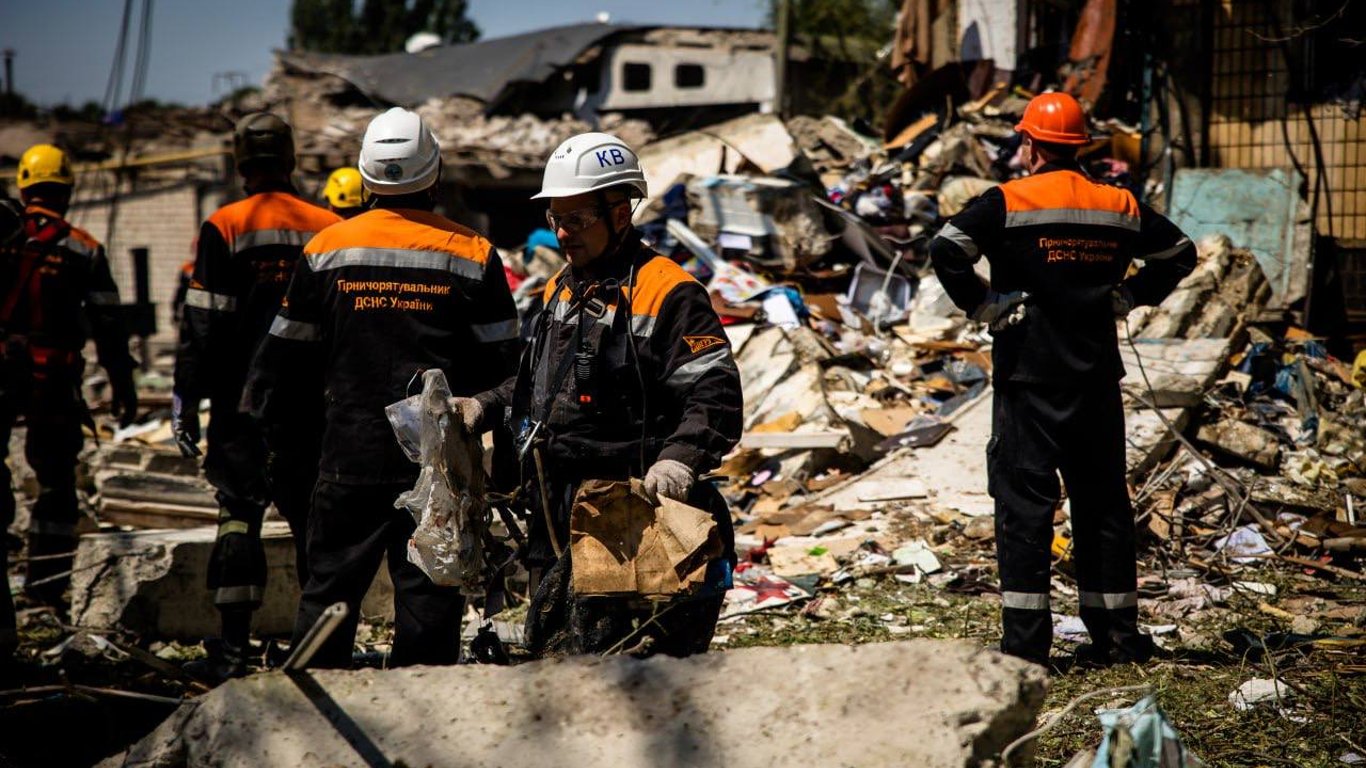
(630, 85)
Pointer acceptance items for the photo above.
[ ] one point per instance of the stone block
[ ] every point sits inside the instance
(152, 582)
(926, 703)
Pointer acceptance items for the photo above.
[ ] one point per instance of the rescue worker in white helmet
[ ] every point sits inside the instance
(628, 375)
(376, 300)
(345, 194)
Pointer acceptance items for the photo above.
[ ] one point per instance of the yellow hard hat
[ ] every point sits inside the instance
(44, 163)
(344, 189)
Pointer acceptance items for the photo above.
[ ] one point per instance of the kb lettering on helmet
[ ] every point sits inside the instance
(608, 157)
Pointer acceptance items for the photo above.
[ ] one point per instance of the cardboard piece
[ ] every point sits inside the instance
(621, 544)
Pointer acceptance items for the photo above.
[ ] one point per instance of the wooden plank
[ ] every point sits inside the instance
(795, 440)
(151, 514)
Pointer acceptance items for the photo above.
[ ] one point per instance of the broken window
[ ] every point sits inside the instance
(635, 76)
(689, 76)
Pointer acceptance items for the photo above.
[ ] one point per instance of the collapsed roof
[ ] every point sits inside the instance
(483, 70)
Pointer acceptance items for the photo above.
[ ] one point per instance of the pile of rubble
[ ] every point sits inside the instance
(329, 119)
(860, 474)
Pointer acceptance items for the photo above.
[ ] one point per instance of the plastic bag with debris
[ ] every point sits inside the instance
(1141, 737)
(448, 499)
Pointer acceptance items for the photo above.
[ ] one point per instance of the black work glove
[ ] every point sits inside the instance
(125, 404)
(185, 423)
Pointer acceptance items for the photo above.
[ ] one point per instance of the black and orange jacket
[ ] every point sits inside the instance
(1068, 241)
(665, 365)
(244, 260)
(376, 300)
(57, 287)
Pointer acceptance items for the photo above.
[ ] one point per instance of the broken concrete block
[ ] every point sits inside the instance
(1183, 304)
(152, 583)
(1180, 371)
(927, 703)
(1243, 441)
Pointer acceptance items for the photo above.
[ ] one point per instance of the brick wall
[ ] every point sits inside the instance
(164, 218)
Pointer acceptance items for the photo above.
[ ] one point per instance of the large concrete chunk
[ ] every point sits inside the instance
(927, 703)
(1179, 370)
(153, 583)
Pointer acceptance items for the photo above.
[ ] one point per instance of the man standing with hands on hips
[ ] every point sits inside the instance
(1060, 246)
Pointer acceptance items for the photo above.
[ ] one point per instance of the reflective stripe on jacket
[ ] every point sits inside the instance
(243, 263)
(691, 408)
(57, 285)
(1068, 241)
(376, 300)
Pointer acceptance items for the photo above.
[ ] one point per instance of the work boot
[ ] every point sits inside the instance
(228, 656)
(224, 662)
(1138, 651)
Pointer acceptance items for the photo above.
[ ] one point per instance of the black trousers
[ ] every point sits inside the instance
(350, 529)
(247, 478)
(1038, 432)
(53, 413)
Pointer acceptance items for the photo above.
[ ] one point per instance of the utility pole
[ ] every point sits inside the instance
(783, 33)
(9, 75)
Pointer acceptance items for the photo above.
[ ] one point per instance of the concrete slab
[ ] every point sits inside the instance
(152, 583)
(953, 471)
(927, 703)
(1180, 370)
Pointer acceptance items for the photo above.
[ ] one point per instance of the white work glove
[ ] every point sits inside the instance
(1122, 301)
(470, 412)
(1001, 310)
(670, 479)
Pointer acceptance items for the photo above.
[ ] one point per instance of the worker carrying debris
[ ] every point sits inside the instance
(1060, 246)
(345, 194)
(56, 284)
(245, 258)
(628, 374)
(377, 300)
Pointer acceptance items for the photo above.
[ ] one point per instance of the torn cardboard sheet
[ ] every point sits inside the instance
(622, 544)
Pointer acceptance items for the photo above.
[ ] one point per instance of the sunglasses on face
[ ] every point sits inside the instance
(574, 221)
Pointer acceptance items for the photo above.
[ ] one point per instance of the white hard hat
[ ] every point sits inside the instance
(399, 155)
(590, 162)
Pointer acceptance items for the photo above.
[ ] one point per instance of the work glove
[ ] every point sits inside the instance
(124, 406)
(470, 412)
(1122, 301)
(1001, 310)
(185, 424)
(670, 479)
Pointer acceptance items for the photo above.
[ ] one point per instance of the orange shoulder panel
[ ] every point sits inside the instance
(406, 230)
(84, 238)
(656, 279)
(1066, 189)
(271, 210)
(552, 285)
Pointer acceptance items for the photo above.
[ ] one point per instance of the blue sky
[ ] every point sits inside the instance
(64, 48)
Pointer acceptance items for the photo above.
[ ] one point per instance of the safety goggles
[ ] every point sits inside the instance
(574, 221)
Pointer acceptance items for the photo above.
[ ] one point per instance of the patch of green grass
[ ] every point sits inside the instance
(1324, 717)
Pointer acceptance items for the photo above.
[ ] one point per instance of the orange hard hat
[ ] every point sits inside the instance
(1054, 118)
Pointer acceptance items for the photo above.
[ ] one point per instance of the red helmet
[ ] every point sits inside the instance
(1054, 118)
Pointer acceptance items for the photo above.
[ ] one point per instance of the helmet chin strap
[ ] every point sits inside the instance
(616, 238)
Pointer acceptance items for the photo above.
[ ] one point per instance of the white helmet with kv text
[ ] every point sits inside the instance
(590, 162)
(398, 155)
